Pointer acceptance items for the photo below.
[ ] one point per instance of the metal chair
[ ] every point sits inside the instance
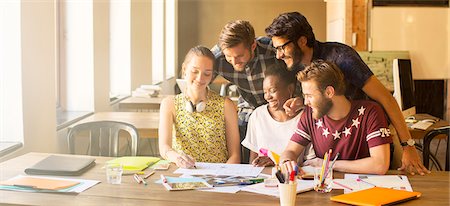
(426, 146)
(103, 137)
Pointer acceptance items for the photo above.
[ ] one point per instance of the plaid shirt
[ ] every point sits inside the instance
(250, 80)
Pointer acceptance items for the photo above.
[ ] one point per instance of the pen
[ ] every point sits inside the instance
(344, 186)
(142, 180)
(149, 174)
(361, 180)
(279, 176)
(137, 178)
(164, 180)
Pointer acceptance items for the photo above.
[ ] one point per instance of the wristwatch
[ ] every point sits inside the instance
(410, 142)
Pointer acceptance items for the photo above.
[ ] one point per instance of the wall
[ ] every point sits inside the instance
(38, 74)
(202, 20)
(141, 36)
(424, 31)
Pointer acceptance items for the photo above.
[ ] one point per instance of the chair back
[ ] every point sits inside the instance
(427, 143)
(103, 137)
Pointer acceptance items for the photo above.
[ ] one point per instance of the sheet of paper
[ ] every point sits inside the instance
(260, 188)
(228, 189)
(82, 186)
(222, 169)
(399, 182)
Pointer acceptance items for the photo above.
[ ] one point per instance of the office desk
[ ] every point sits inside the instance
(434, 188)
(420, 134)
(141, 103)
(146, 122)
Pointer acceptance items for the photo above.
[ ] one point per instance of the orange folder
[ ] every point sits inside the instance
(376, 196)
(40, 183)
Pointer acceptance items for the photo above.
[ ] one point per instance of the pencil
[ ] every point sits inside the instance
(149, 174)
(137, 178)
(344, 186)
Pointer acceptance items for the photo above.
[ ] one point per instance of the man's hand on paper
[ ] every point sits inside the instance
(411, 162)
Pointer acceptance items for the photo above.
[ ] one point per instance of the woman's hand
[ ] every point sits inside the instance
(263, 161)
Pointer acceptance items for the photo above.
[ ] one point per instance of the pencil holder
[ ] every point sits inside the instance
(288, 193)
(323, 180)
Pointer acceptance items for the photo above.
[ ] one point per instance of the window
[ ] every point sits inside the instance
(120, 48)
(11, 118)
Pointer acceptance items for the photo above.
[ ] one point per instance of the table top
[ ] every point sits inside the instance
(434, 188)
(146, 122)
(420, 134)
(142, 103)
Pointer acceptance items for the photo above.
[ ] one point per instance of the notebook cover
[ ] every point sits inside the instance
(376, 196)
(133, 164)
(61, 165)
(40, 183)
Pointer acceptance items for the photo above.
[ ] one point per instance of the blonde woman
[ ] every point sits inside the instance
(206, 128)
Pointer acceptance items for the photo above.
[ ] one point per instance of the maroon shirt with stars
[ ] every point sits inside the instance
(364, 127)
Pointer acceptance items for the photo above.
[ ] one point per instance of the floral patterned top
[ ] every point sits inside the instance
(201, 134)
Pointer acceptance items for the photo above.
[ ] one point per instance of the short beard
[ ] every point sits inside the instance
(297, 56)
(323, 108)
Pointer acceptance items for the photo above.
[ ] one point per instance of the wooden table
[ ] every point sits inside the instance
(434, 188)
(420, 134)
(142, 103)
(146, 122)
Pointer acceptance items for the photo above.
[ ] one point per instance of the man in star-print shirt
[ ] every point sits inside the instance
(356, 129)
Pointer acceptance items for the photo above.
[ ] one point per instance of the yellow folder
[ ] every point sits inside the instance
(134, 164)
(376, 196)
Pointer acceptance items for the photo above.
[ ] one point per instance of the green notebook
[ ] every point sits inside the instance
(132, 164)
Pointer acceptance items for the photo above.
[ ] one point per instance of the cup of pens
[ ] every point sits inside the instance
(288, 193)
(323, 179)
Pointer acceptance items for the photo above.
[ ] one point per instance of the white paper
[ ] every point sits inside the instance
(260, 188)
(222, 169)
(399, 182)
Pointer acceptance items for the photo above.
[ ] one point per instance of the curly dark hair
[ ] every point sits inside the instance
(280, 70)
(291, 25)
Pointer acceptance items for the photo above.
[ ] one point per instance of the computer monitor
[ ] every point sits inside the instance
(404, 86)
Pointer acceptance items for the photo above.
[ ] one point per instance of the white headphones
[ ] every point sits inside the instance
(199, 107)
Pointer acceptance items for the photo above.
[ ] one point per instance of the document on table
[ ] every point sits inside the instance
(204, 168)
(80, 187)
(351, 183)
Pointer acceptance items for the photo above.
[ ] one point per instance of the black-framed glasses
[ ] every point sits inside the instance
(282, 47)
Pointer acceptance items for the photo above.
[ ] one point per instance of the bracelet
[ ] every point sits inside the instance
(165, 153)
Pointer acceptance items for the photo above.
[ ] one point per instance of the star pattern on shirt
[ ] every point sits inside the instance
(355, 122)
(319, 123)
(346, 131)
(336, 135)
(325, 132)
(361, 110)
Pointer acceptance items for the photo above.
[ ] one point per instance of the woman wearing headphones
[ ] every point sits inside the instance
(205, 123)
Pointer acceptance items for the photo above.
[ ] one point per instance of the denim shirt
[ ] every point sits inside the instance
(356, 72)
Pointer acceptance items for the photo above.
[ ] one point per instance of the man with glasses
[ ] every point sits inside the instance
(295, 44)
(242, 59)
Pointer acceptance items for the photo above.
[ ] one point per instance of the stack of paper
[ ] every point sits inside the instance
(46, 184)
